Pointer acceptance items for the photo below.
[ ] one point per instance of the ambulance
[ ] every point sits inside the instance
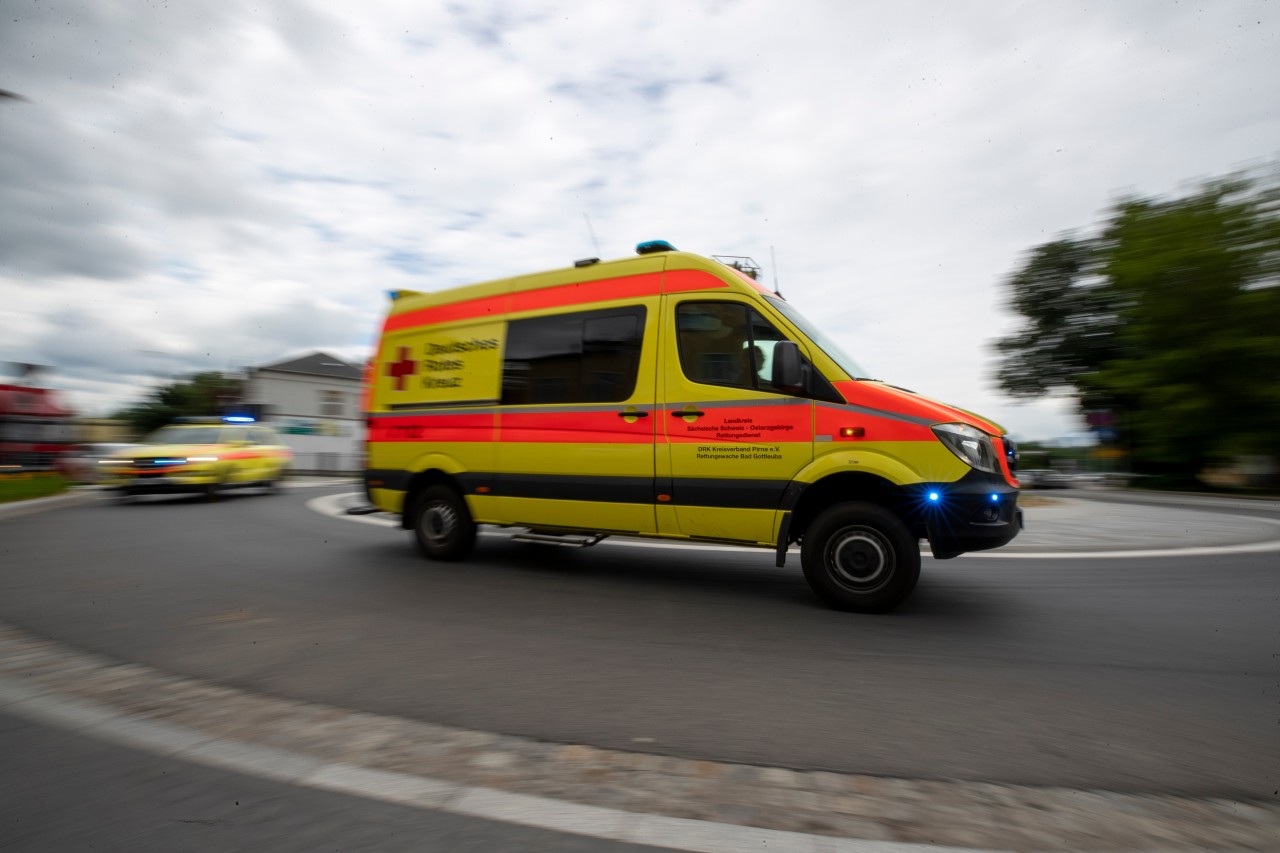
(671, 396)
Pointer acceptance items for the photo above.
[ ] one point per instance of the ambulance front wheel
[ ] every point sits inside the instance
(442, 524)
(212, 490)
(860, 557)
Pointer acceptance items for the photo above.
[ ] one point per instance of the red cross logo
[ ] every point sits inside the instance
(398, 370)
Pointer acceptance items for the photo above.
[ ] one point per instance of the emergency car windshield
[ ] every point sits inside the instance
(847, 364)
(184, 435)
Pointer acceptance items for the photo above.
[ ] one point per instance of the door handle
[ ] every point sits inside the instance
(635, 414)
(687, 413)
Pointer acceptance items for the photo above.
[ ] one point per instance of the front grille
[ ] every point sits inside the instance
(146, 464)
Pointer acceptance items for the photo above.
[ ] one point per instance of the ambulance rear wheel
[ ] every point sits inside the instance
(860, 557)
(442, 524)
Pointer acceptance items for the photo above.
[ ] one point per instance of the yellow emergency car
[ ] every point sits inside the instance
(673, 396)
(202, 455)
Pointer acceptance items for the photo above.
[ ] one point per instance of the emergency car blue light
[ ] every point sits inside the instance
(648, 248)
(933, 496)
(995, 498)
(237, 419)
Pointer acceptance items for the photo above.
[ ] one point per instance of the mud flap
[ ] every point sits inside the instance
(784, 540)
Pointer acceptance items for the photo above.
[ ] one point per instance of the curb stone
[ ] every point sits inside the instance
(640, 797)
(72, 495)
(83, 494)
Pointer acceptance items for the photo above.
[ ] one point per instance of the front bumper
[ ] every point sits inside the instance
(976, 513)
(162, 484)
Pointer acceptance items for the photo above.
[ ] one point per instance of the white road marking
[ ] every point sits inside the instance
(335, 506)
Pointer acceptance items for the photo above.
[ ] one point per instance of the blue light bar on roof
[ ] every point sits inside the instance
(237, 419)
(652, 246)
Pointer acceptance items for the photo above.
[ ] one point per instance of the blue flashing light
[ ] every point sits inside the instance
(995, 498)
(651, 246)
(238, 419)
(933, 496)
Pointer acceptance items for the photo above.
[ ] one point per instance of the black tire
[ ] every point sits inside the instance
(861, 557)
(442, 524)
(272, 486)
(212, 491)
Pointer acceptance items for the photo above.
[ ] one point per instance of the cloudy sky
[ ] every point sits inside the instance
(210, 185)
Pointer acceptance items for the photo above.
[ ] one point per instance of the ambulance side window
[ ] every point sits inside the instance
(726, 343)
(583, 357)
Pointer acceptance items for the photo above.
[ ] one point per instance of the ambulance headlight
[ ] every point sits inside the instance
(972, 445)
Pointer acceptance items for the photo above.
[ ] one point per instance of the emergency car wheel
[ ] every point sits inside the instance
(442, 524)
(274, 485)
(860, 557)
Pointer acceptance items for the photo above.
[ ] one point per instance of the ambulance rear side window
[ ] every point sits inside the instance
(583, 357)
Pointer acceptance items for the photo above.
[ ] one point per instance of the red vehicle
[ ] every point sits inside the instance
(35, 427)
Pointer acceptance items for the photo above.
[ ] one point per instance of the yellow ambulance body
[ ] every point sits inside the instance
(672, 396)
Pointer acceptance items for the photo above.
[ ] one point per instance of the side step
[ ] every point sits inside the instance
(572, 540)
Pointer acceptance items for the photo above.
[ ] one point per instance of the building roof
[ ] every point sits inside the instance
(317, 364)
(20, 400)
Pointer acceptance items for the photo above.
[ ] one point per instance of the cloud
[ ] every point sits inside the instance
(56, 216)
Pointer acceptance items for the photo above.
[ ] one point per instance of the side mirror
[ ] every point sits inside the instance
(788, 365)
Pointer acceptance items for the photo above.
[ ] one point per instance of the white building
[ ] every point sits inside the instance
(314, 403)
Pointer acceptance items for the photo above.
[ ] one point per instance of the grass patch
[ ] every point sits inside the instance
(22, 487)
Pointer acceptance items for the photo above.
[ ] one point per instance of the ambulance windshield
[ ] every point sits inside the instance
(824, 343)
(184, 435)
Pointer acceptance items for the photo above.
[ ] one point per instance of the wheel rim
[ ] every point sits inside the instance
(439, 522)
(860, 559)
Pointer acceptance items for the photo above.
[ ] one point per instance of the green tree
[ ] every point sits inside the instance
(202, 394)
(1169, 317)
(1071, 319)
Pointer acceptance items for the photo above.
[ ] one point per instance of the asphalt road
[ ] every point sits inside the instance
(1136, 674)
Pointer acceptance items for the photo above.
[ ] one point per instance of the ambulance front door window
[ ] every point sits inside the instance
(713, 340)
(726, 343)
(764, 337)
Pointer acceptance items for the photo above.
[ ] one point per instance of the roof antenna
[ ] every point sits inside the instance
(773, 262)
(592, 232)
